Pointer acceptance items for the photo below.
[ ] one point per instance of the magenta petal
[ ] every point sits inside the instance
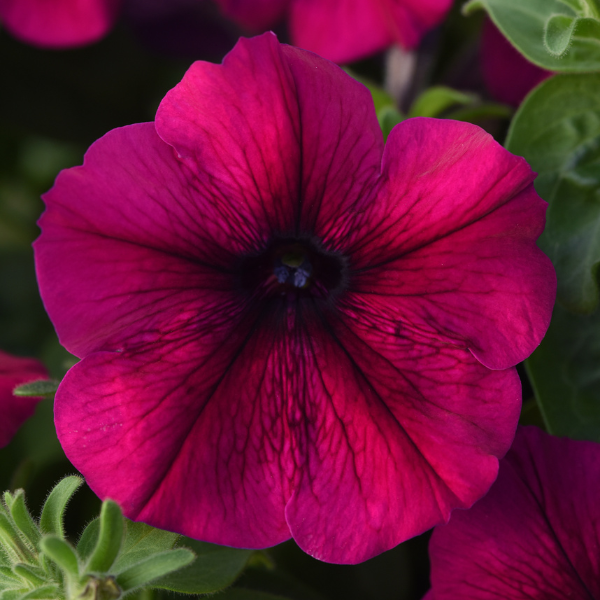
(190, 427)
(59, 23)
(346, 30)
(453, 242)
(276, 131)
(14, 410)
(535, 535)
(404, 430)
(125, 260)
(257, 15)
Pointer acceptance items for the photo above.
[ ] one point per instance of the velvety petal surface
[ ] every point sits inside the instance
(59, 23)
(129, 246)
(448, 242)
(406, 429)
(282, 139)
(237, 423)
(256, 15)
(535, 535)
(14, 411)
(507, 74)
(346, 30)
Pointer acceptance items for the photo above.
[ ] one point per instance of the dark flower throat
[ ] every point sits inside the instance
(295, 268)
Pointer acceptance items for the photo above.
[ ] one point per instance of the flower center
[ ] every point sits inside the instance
(295, 268)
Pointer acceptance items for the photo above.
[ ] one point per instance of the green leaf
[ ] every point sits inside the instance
(51, 520)
(43, 387)
(141, 541)
(388, 118)
(214, 568)
(62, 553)
(33, 575)
(13, 594)
(531, 27)
(153, 567)
(565, 374)
(12, 543)
(22, 518)
(89, 538)
(557, 129)
(8, 579)
(558, 32)
(437, 99)
(47, 592)
(110, 538)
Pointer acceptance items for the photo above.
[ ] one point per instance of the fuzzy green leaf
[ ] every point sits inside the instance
(22, 518)
(141, 541)
(33, 575)
(43, 387)
(535, 27)
(12, 543)
(215, 568)
(110, 538)
(47, 592)
(153, 568)
(89, 539)
(62, 554)
(51, 520)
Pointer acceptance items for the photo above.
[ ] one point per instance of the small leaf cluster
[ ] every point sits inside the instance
(112, 559)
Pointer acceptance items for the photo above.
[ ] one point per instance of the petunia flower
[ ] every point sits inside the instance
(58, 23)
(14, 411)
(535, 535)
(343, 30)
(286, 329)
(507, 74)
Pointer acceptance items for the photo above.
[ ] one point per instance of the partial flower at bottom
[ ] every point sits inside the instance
(536, 535)
(288, 330)
(14, 411)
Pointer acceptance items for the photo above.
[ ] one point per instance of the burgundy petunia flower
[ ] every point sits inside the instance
(14, 411)
(343, 30)
(535, 535)
(507, 74)
(286, 329)
(58, 23)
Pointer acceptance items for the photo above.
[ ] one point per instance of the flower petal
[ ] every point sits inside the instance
(257, 15)
(405, 430)
(352, 29)
(278, 132)
(452, 248)
(14, 411)
(60, 23)
(186, 431)
(143, 248)
(535, 535)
